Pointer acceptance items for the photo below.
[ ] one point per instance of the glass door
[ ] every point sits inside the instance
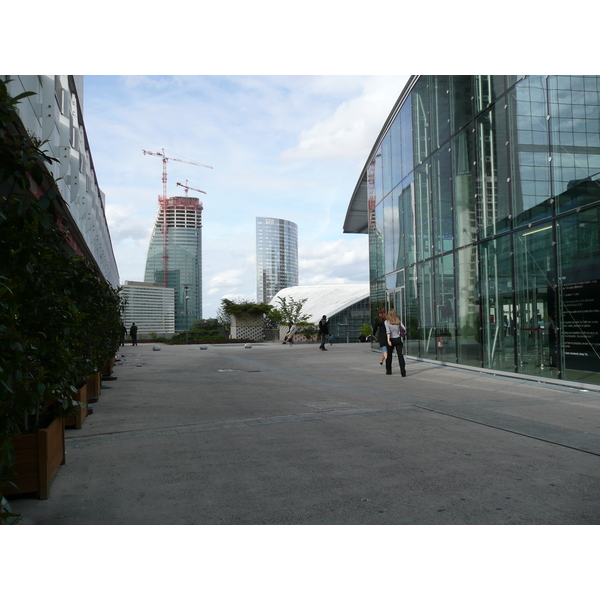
(534, 278)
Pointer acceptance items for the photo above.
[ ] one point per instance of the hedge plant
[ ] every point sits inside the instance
(59, 319)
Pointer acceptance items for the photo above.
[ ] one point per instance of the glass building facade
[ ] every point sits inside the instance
(183, 221)
(344, 326)
(150, 306)
(276, 256)
(481, 200)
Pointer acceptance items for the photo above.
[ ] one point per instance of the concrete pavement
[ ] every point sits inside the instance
(278, 435)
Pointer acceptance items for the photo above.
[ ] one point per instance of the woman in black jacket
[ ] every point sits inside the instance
(380, 333)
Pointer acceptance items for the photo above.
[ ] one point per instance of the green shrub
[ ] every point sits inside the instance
(59, 319)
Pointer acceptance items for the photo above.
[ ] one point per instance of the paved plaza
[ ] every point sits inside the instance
(273, 434)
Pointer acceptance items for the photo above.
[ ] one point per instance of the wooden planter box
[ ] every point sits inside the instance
(39, 455)
(94, 384)
(78, 417)
(107, 369)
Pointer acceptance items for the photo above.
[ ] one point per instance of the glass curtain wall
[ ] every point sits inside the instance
(485, 223)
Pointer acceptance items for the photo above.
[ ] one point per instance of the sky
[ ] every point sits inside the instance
(282, 146)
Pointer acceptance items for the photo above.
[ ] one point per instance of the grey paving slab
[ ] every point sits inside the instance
(277, 435)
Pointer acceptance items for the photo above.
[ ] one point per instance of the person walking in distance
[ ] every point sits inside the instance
(395, 332)
(324, 331)
(380, 334)
(133, 334)
(123, 333)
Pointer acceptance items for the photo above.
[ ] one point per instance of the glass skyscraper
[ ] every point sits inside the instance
(481, 200)
(276, 256)
(183, 219)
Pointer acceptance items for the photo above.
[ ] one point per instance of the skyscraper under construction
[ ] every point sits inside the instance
(175, 260)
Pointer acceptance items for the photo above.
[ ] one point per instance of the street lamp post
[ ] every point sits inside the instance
(186, 286)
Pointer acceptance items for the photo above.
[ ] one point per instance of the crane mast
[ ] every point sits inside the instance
(163, 202)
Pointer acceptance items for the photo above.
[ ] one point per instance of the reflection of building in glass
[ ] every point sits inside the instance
(276, 256)
(345, 305)
(481, 199)
(184, 256)
(150, 306)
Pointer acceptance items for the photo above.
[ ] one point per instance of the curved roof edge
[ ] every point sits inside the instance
(356, 217)
(325, 299)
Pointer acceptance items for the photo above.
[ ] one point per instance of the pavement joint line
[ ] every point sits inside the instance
(179, 430)
(507, 430)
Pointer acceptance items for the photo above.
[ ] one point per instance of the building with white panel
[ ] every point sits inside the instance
(54, 115)
(150, 306)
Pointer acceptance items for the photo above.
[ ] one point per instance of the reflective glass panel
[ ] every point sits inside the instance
(497, 304)
(420, 109)
(441, 183)
(423, 211)
(406, 223)
(463, 158)
(427, 342)
(534, 280)
(412, 312)
(575, 139)
(467, 307)
(406, 137)
(461, 103)
(378, 172)
(389, 232)
(386, 164)
(396, 151)
(376, 257)
(492, 172)
(439, 100)
(529, 151)
(445, 313)
(579, 290)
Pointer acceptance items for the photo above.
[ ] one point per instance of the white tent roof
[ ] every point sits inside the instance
(324, 299)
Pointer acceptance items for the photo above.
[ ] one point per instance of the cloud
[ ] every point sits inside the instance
(352, 128)
(124, 224)
(345, 260)
(225, 279)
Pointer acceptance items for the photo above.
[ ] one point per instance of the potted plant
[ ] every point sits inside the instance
(59, 319)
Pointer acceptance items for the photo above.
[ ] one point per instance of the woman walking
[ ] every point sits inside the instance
(395, 332)
(380, 333)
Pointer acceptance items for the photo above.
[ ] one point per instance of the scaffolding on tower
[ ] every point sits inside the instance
(164, 202)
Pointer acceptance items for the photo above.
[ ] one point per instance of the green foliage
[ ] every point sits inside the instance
(205, 325)
(287, 310)
(308, 330)
(59, 320)
(365, 329)
(244, 307)
(223, 318)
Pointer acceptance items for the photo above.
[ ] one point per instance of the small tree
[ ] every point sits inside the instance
(223, 317)
(288, 310)
(366, 329)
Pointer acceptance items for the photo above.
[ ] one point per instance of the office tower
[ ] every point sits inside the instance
(180, 251)
(150, 306)
(276, 256)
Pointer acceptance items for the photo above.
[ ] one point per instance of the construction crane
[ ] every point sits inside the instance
(186, 187)
(163, 201)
